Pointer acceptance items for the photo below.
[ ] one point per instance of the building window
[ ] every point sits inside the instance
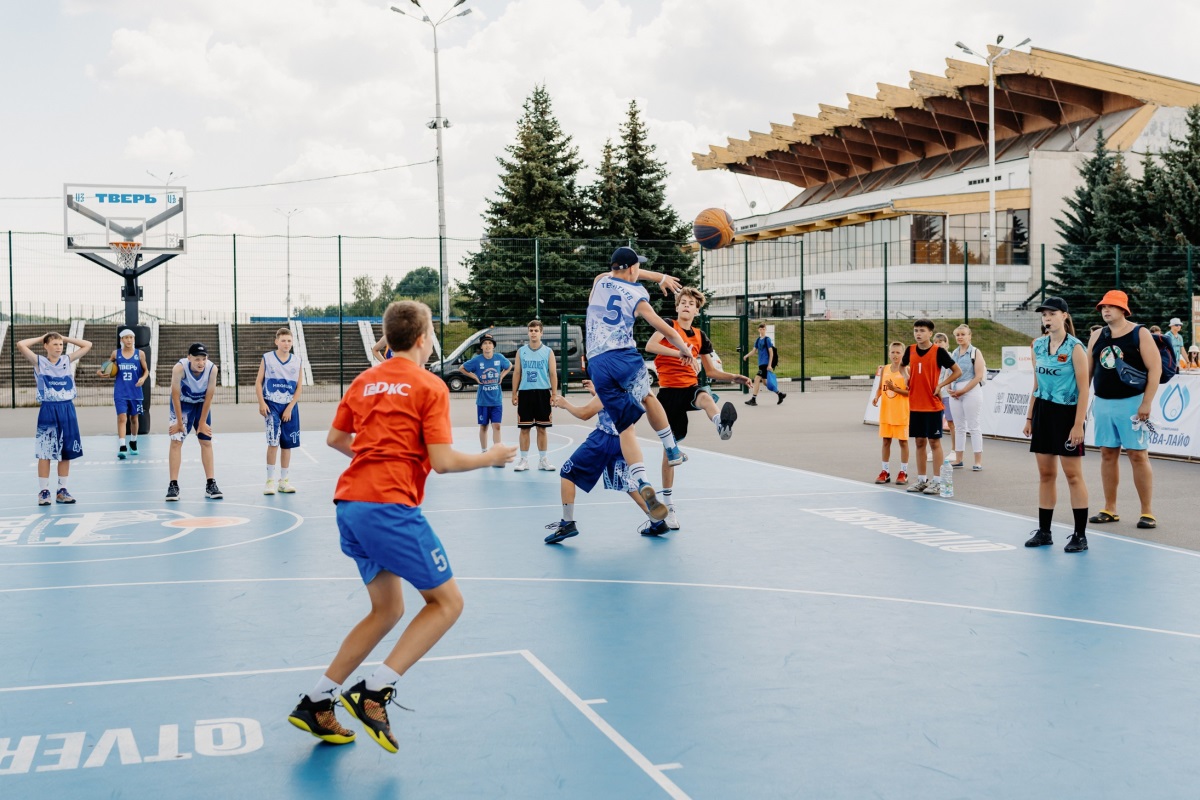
(928, 239)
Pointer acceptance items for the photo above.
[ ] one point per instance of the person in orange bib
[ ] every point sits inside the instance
(923, 363)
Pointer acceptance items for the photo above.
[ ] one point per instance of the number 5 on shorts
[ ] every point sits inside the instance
(439, 559)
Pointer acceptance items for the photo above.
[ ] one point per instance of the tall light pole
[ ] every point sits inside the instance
(991, 65)
(171, 176)
(288, 215)
(438, 123)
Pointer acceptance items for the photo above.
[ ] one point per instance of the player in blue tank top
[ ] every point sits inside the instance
(57, 437)
(193, 387)
(616, 367)
(278, 386)
(131, 372)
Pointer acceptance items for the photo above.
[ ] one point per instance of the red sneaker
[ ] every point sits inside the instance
(884, 477)
(902, 478)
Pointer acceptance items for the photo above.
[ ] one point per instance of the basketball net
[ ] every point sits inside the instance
(126, 253)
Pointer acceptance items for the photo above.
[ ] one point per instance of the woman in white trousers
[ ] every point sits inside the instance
(966, 397)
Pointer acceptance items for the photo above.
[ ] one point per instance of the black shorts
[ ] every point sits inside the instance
(924, 424)
(677, 402)
(533, 408)
(763, 369)
(1052, 423)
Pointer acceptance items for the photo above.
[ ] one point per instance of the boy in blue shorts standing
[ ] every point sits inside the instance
(131, 373)
(488, 369)
(394, 424)
(616, 367)
(193, 386)
(57, 437)
(534, 386)
(278, 386)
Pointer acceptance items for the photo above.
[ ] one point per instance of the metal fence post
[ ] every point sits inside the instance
(966, 295)
(885, 301)
(236, 382)
(803, 311)
(745, 322)
(342, 326)
(564, 346)
(967, 272)
(1043, 273)
(1117, 250)
(12, 322)
(537, 279)
(1191, 287)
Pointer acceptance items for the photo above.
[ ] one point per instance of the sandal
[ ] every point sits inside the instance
(1147, 521)
(1104, 516)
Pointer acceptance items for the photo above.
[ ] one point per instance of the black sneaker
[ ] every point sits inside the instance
(173, 490)
(561, 530)
(1078, 543)
(752, 402)
(122, 452)
(212, 491)
(133, 447)
(317, 718)
(654, 528)
(725, 423)
(780, 395)
(370, 708)
(1039, 538)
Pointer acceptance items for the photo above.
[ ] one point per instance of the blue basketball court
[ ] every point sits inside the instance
(800, 636)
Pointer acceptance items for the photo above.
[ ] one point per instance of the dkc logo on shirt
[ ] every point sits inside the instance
(383, 387)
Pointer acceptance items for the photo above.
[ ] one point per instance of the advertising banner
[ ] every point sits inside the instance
(1018, 358)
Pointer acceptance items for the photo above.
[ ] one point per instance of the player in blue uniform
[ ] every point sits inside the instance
(57, 436)
(193, 386)
(130, 374)
(616, 367)
(278, 386)
(488, 369)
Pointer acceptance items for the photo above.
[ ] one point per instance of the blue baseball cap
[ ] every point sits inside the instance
(625, 257)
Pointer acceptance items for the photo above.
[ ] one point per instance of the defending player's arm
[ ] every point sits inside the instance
(145, 368)
(202, 426)
(258, 388)
(23, 347)
(667, 330)
(176, 384)
(83, 347)
(583, 412)
(715, 373)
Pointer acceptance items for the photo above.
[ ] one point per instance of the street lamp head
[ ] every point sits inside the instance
(964, 48)
(459, 3)
(416, 3)
(1025, 42)
(1000, 38)
(464, 12)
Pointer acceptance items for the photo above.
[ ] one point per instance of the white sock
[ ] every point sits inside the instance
(384, 676)
(121, 441)
(904, 467)
(43, 483)
(637, 473)
(524, 454)
(283, 471)
(133, 438)
(270, 472)
(324, 689)
(568, 512)
(665, 496)
(716, 419)
(62, 481)
(542, 454)
(885, 466)
(921, 478)
(668, 438)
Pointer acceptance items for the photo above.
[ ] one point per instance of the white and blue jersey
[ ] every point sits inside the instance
(488, 371)
(611, 312)
(1055, 371)
(280, 378)
(55, 383)
(193, 387)
(535, 367)
(127, 395)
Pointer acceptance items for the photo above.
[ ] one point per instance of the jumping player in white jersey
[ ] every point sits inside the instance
(57, 428)
(193, 385)
(278, 387)
(616, 367)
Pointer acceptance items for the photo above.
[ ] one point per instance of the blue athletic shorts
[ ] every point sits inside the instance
(128, 405)
(280, 433)
(621, 382)
(488, 415)
(191, 418)
(392, 537)
(598, 457)
(1113, 426)
(57, 437)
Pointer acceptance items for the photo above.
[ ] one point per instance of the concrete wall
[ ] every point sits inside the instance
(1053, 176)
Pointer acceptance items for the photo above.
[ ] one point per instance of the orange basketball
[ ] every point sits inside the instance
(713, 228)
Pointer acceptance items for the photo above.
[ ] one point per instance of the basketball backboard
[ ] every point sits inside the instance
(96, 214)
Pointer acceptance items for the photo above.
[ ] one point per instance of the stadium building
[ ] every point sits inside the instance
(909, 168)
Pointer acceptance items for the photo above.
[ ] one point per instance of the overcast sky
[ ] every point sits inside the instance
(233, 92)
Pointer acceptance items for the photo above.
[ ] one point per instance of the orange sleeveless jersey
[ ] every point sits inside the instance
(924, 373)
(673, 373)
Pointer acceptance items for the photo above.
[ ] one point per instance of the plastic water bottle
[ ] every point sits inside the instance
(947, 488)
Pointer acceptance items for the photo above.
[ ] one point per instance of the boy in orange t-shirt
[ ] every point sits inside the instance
(394, 424)
(893, 413)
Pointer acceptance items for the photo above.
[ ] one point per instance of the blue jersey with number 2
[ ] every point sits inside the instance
(612, 310)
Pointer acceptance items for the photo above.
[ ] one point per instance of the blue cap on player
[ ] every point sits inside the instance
(625, 257)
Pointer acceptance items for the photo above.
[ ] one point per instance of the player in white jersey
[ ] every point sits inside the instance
(193, 386)
(278, 388)
(57, 428)
(616, 367)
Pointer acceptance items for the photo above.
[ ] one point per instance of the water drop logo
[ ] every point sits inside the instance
(1174, 402)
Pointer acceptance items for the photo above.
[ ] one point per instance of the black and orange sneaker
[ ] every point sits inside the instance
(317, 717)
(370, 708)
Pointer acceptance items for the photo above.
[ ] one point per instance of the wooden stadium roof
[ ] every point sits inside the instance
(938, 114)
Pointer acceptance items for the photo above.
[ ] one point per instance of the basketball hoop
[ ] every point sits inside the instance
(126, 253)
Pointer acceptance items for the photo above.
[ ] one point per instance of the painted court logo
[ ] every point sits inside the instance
(95, 528)
(928, 535)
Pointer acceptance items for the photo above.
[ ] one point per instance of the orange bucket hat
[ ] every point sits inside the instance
(1116, 299)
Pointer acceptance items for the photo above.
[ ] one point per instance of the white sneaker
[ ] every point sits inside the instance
(285, 487)
(934, 487)
(545, 464)
(521, 465)
(672, 520)
(270, 487)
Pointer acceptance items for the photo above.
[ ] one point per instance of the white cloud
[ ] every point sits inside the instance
(157, 146)
(220, 124)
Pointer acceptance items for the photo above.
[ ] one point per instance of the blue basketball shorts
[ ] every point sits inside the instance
(1114, 426)
(395, 538)
(598, 457)
(280, 433)
(489, 415)
(191, 419)
(57, 437)
(128, 405)
(621, 382)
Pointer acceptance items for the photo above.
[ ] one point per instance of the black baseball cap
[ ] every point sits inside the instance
(1053, 304)
(198, 349)
(487, 337)
(625, 257)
